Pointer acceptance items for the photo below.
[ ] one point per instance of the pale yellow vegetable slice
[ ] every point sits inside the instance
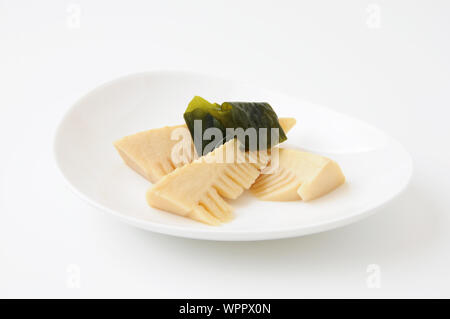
(287, 123)
(149, 153)
(300, 175)
(153, 153)
(197, 190)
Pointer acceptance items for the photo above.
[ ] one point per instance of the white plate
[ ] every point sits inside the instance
(376, 166)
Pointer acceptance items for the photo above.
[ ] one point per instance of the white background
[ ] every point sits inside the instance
(391, 70)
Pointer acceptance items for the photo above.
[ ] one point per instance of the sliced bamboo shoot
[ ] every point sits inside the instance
(197, 190)
(153, 153)
(300, 175)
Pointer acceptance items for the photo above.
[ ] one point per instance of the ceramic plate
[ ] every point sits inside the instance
(376, 166)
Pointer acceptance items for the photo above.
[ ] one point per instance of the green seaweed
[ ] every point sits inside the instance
(233, 115)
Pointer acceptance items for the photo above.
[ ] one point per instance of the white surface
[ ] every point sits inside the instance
(377, 168)
(395, 77)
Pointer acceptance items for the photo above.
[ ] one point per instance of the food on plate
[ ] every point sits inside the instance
(287, 123)
(149, 152)
(223, 150)
(197, 190)
(300, 175)
(154, 153)
(233, 115)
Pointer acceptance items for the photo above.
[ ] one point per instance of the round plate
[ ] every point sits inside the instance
(377, 167)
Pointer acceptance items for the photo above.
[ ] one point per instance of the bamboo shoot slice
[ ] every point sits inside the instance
(153, 153)
(300, 175)
(198, 190)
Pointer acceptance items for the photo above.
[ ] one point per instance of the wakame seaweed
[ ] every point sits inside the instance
(233, 115)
